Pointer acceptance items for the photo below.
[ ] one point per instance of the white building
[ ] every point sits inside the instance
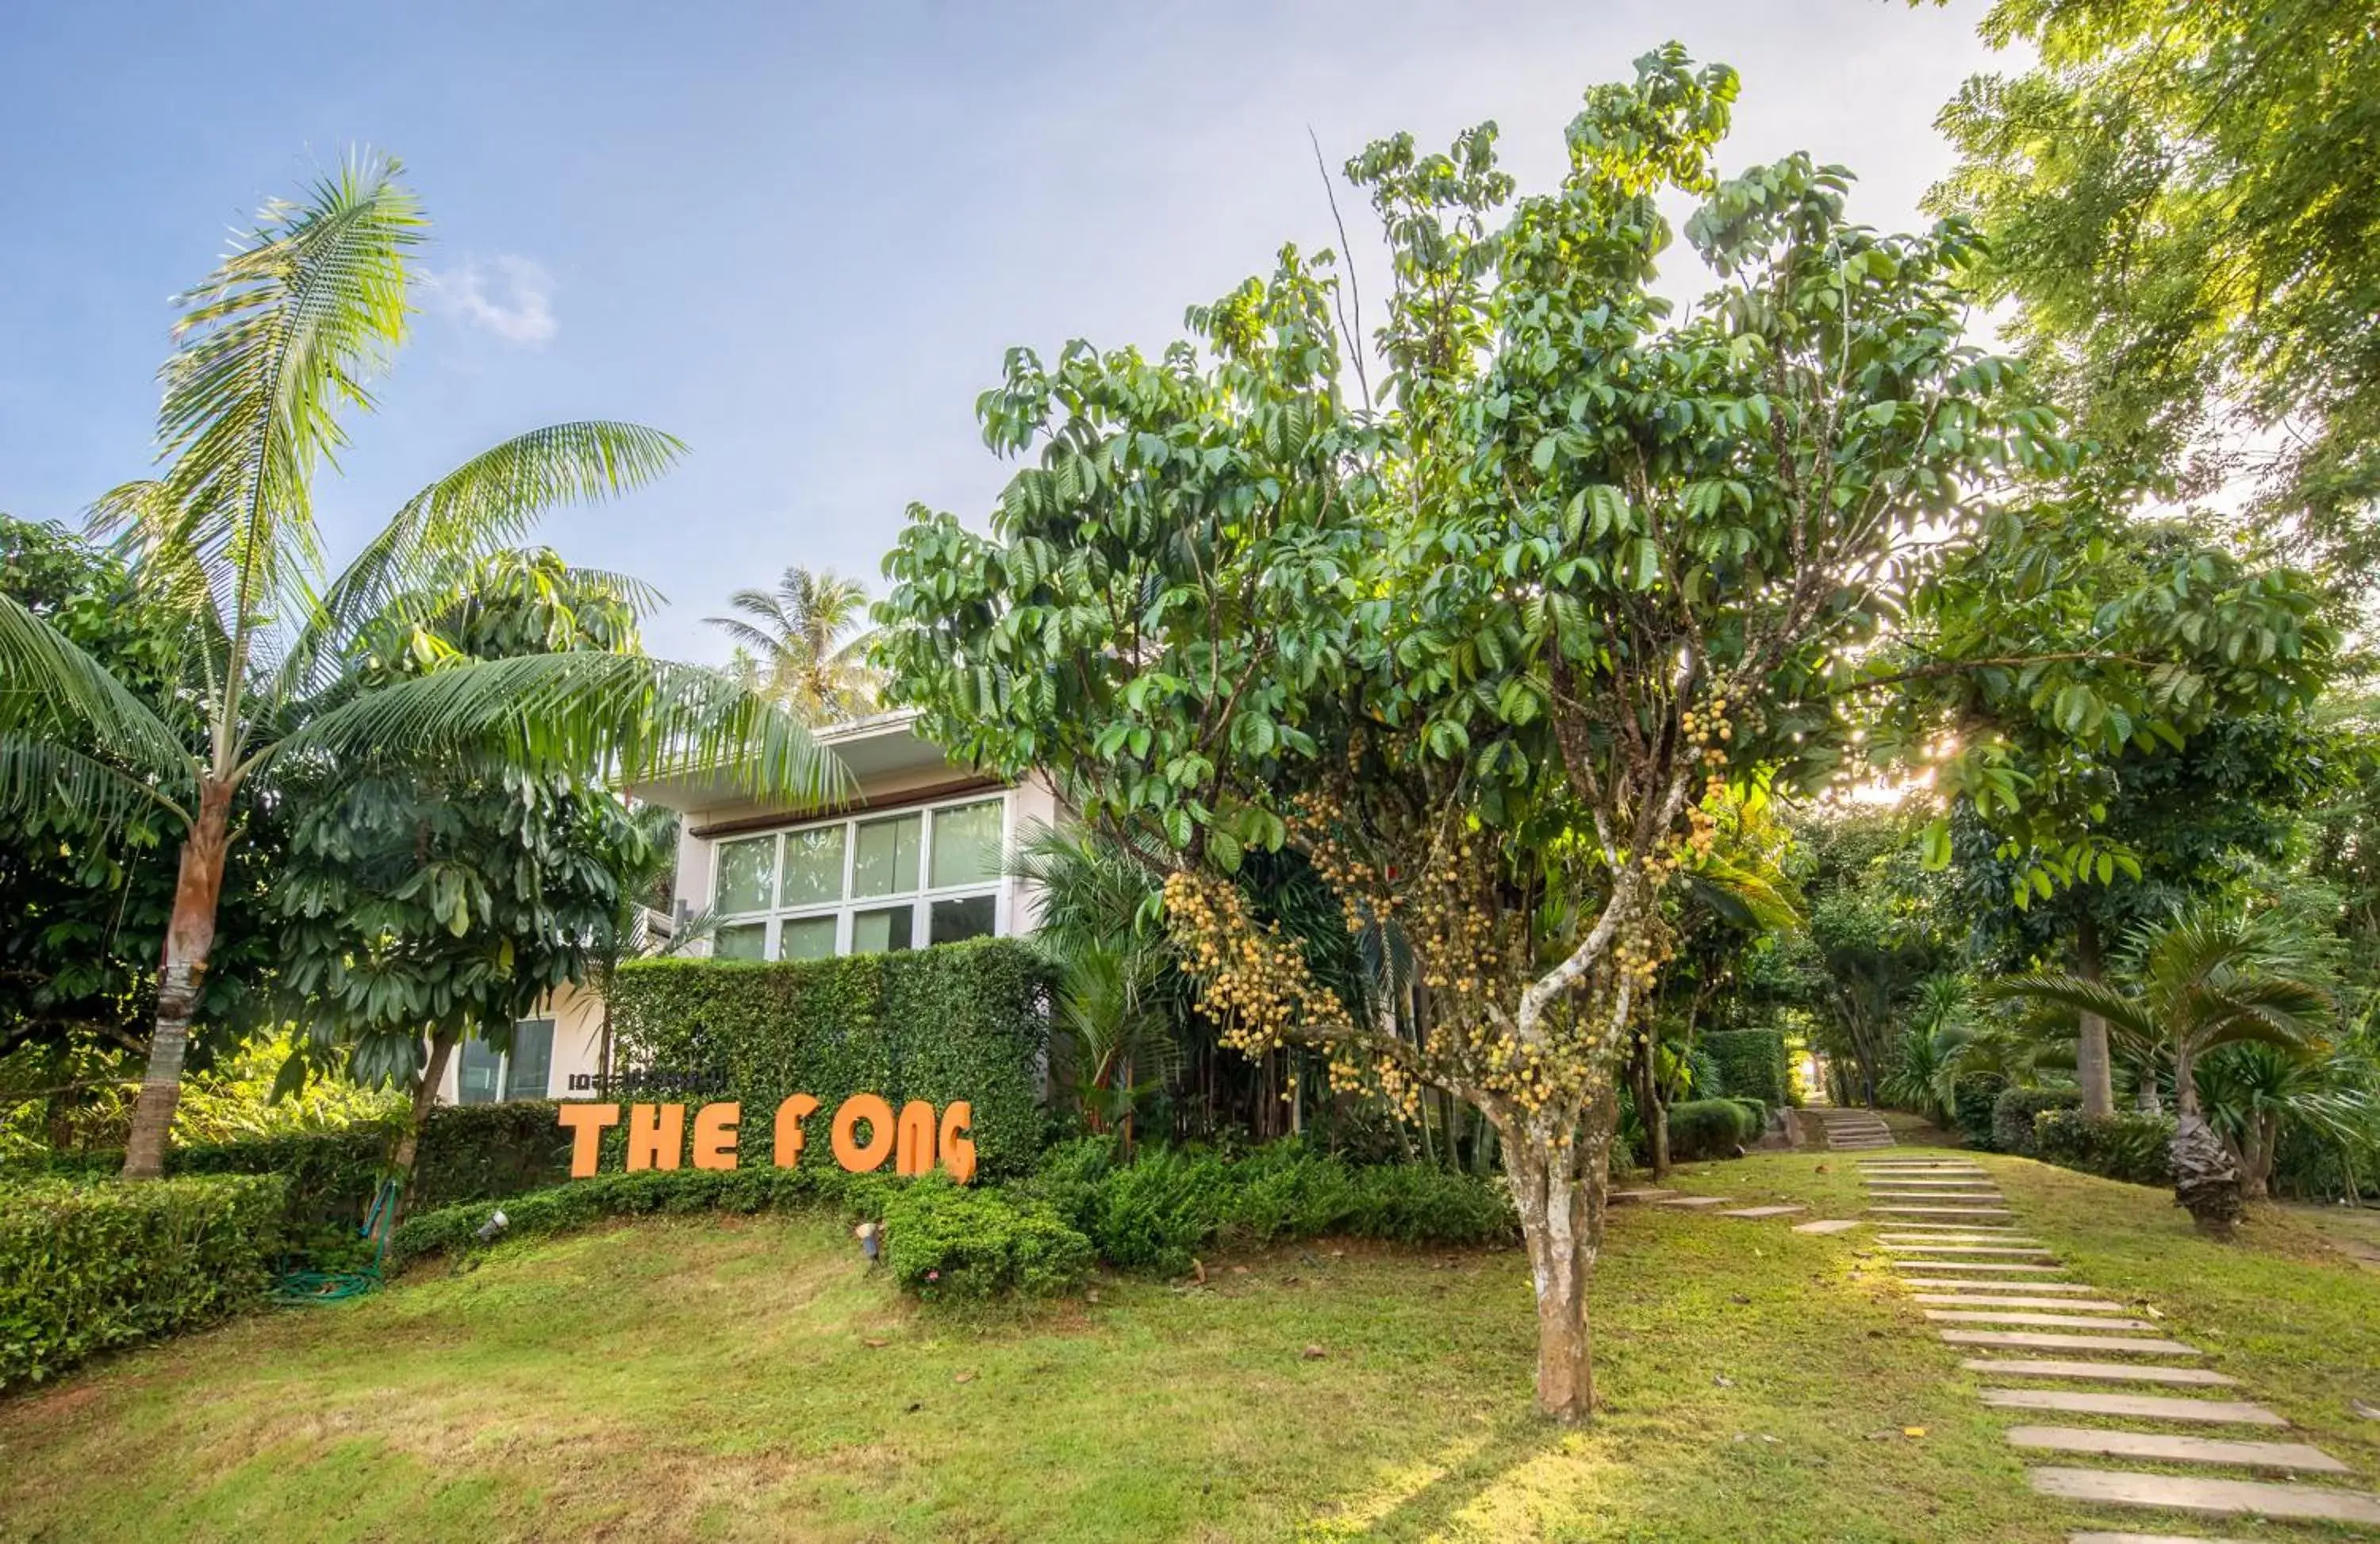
(916, 855)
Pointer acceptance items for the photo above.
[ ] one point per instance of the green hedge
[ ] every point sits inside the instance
(944, 1240)
(85, 1266)
(960, 1021)
(1155, 1213)
(2013, 1114)
(2129, 1146)
(1751, 1064)
(1973, 1099)
(1701, 1128)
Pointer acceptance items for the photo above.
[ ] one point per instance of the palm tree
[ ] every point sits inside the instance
(2210, 978)
(794, 650)
(287, 332)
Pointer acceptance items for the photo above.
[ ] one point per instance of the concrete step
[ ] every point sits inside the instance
(1638, 1195)
(1990, 1300)
(1969, 1282)
(2231, 1498)
(2099, 1372)
(2155, 1407)
(1924, 1239)
(2033, 1251)
(1976, 1265)
(2165, 1447)
(2099, 1537)
(1829, 1224)
(2042, 1340)
(1694, 1200)
(1903, 1210)
(1765, 1211)
(2036, 1320)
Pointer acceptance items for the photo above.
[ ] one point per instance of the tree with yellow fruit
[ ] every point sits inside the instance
(1487, 650)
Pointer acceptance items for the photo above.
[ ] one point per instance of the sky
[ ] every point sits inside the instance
(798, 237)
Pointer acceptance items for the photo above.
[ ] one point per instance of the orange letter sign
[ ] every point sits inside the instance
(790, 1116)
(958, 1141)
(586, 1124)
(656, 1136)
(916, 1153)
(879, 1116)
(714, 1136)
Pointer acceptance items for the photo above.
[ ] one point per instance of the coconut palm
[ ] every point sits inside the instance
(800, 644)
(286, 335)
(2210, 978)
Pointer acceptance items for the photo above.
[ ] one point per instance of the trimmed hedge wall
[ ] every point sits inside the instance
(1751, 1064)
(2129, 1146)
(1973, 1101)
(959, 1021)
(84, 1267)
(2014, 1112)
(1701, 1128)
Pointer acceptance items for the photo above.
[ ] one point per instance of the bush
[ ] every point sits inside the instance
(959, 1021)
(946, 1240)
(2014, 1112)
(1702, 1128)
(88, 1265)
(2131, 1146)
(1972, 1098)
(1751, 1064)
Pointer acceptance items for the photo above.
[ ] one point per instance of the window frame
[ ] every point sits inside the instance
(919, 899)
(504, 1065)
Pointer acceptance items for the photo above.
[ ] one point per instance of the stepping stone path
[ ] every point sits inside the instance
(1975, 1272)
(1638, 1196)
(1829, 1224)
(1765, 1211)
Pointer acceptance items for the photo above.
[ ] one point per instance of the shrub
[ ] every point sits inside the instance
(2130, 1145)
(1751, 1064)
(959, 1021)
(87, 1265)
(947, 1240)
(2014, 1112)
(1708, 1128)
(1973, 1098)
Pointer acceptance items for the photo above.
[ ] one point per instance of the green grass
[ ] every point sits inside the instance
(713, 1377)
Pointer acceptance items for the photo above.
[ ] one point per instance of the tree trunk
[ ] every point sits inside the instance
(1651, 1113)
(1556, 1163)
(190, 940)
(2205, 1176)
(409, 1142)
(2093, 1069)
(2263, 1135)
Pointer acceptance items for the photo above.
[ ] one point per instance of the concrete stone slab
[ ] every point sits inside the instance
(1983, 1300)
(2155, 1407)
(1932, 1239)
(1639, 1194)
(2211, 1497)
(2020, 1249)
(2098, 1538)
(2042, 1340)
(1764, 1211)
(1829, 1224)
(1983, 1284)
(2036, 1320)
(2099, 1372)
(1905, 1210)
(1694, 1200)
(1976, 1265)
(2171, 1448)
(1991, 1199)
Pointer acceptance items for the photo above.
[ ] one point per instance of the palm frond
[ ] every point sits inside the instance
(486, 504)
(53, 692)
(38, 778)
(281, 336)
(621, 716)
(2076, 995)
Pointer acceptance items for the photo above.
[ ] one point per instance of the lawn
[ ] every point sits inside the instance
(748, 1378)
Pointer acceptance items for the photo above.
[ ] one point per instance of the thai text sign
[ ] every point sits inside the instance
(914, 1141)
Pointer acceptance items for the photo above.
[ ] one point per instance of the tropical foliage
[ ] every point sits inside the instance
(801, 646)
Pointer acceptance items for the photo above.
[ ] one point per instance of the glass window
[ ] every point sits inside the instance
(805, 938)
(748, 874)
(813, 867)
(748, 940)
(479, 1078)
(973, 916)
(877, 932)
(530, 1062)
(886, 861)
(967, 845)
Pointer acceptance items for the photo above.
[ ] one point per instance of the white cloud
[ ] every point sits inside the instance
(510, 297)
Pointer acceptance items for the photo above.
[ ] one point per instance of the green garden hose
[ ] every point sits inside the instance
(335, 1287)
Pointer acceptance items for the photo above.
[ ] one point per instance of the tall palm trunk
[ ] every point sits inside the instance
(2093, 1068)
(189, 941)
